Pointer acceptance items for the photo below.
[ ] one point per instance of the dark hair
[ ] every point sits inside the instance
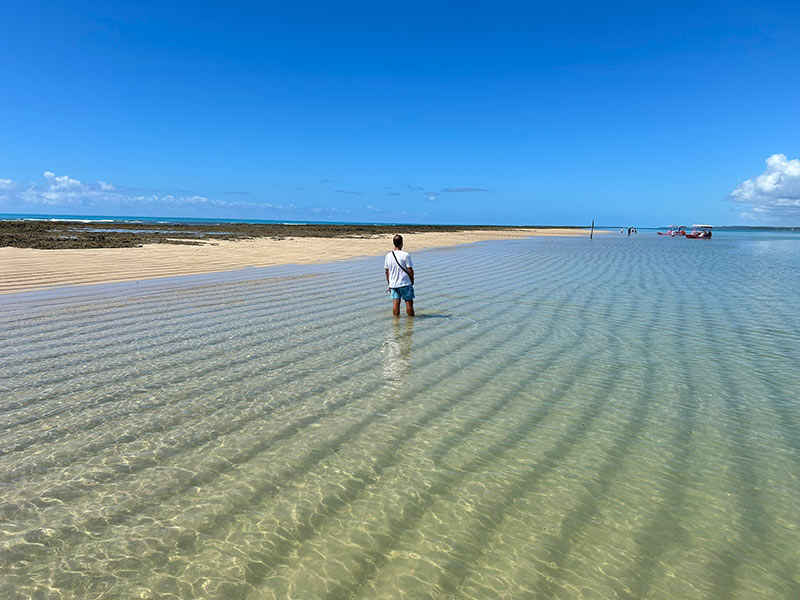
(397, 240)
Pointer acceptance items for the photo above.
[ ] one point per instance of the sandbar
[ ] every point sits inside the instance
(29, 269)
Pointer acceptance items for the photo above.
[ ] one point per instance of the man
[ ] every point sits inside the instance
(400, 277)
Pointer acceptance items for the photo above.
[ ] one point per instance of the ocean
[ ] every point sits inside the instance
(565, 418)
(128, 219)
(100, 219)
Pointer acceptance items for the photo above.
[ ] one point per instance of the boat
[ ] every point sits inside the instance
(699, 232)
(674, 231)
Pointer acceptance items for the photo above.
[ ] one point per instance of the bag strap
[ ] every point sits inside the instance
(402, 267)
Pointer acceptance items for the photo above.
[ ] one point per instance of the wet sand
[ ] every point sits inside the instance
(195, 250)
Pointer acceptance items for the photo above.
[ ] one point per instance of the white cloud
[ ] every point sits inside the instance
(61, 190)
(62, 193)
(65, 191)
(65, 182)
(6, 187)
(774, 195)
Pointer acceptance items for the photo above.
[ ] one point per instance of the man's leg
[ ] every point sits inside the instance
(409, 308)
(396, 307)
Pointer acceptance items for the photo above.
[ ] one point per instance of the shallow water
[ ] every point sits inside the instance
(565, 418)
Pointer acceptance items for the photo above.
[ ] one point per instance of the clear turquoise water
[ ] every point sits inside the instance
(615, 418)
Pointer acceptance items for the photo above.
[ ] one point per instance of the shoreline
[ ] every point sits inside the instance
(62, 235)
(30, 269)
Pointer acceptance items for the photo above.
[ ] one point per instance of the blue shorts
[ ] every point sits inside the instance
(403, 293)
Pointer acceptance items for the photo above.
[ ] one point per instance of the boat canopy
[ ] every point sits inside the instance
(703, 226)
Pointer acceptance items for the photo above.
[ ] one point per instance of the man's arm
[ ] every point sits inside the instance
(410, 274)
(387, 276)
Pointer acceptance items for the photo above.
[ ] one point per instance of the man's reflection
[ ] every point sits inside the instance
(397, 350)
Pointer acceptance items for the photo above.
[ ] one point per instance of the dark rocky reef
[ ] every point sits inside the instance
(53, 235)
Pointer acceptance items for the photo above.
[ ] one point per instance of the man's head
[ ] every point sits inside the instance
(398, 241)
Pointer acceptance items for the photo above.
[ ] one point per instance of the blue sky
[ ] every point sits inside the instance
(503, 113)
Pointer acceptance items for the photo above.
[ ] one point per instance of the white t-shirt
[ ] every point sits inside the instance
(398, 277)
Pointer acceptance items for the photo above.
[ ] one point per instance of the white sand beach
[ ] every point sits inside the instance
(25, 269)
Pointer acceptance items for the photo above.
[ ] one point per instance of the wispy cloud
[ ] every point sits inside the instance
(6, 188)
(319, 210)
(62, 193)
(65, 191)
(411, 186)
(459, 190)
(774, 195)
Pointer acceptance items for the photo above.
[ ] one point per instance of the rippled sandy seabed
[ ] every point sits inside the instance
(566, 418)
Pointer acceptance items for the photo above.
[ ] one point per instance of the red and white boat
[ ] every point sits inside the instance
(674, 231)
(699, 232)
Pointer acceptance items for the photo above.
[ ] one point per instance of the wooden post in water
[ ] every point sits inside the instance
(591, 235)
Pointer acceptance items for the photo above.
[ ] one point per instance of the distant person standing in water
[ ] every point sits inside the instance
(400, 277)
